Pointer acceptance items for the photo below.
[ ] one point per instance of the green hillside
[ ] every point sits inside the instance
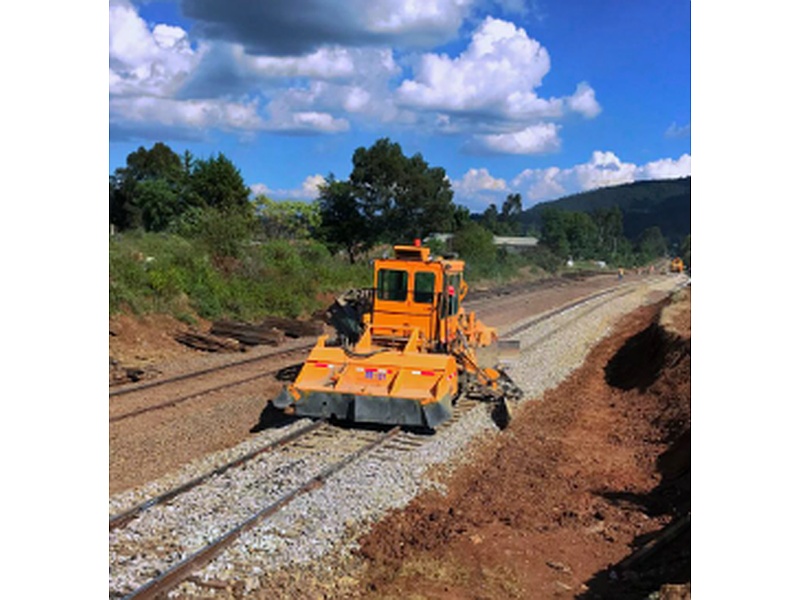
(665, 204)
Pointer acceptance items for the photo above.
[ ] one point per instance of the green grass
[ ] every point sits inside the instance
(186, 276)
(169, 273)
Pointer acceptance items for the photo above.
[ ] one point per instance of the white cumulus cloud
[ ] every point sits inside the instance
(583, 101)
(494, 78)
(602, 170)
(194, 114)
(143, 60)
(536, 139)
(537, 185)
(500, 62)
(666, 168)
(323, 63)
(479, 187)
(416, 18)
(307, 190)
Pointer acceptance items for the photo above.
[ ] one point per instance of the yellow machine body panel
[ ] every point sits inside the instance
(423, 377)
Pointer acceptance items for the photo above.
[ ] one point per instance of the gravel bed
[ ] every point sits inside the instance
(319, 530)
(167, 534)
(126, 500)
(313, 537)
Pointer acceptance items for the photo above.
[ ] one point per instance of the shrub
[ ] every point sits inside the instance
(164, 272)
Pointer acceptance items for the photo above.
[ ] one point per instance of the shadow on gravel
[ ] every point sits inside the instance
(272, 418)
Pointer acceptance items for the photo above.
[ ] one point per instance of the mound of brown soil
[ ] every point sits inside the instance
(146, 340)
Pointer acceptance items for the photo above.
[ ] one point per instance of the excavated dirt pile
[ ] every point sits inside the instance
(585, 495)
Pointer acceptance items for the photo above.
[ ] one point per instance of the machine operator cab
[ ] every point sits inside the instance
(412, 291)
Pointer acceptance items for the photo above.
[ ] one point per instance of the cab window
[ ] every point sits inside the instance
(424, 287)
(392, 285)
(451, 290)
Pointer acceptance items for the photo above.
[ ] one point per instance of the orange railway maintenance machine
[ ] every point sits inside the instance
(405, 349)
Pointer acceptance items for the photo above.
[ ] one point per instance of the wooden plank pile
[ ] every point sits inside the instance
(248, 334)
(294, 328)
(208, 342)
(236, 336)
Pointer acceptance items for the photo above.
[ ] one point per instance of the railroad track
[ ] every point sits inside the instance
(193, 385)
(606, 295)
(177, 538)
(283, 469)
(212, 373)
(271, 356)
(121, 519)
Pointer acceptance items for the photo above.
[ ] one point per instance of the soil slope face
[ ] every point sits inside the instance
(565, 502)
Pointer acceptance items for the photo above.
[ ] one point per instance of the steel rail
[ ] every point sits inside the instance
(181, 399)
(564, 308)
(200, 373)
(183, 569)
(125, 517)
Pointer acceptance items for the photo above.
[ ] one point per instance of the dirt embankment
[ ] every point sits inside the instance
(586, 495)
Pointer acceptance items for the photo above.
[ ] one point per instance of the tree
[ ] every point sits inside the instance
(569, 234)
(609, 231)
(158, 203)
(505, 221)
(686, 250)
(651, 244)
(344, 221)
(510, 215)
(475, 244)
(158, 189)
(401, 198)
(554, 231)
(388, 197)
(582, 235)
(219, 184)
(461, 216)
(289, 219)
(146, 192)
(160, 162)
(490, 218)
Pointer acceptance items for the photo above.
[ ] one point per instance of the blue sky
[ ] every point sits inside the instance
(544, 98)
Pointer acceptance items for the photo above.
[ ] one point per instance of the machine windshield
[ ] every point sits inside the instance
(424, 284)
(392, 285)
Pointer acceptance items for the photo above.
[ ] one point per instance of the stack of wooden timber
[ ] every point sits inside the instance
(209, 342)
(248, 334)
(235, 336)
(294, 328)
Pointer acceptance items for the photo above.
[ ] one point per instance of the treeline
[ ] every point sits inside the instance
(665, 204)
(599, 235)
(192, 238)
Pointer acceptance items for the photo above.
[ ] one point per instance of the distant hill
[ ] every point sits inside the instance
(665, 203)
